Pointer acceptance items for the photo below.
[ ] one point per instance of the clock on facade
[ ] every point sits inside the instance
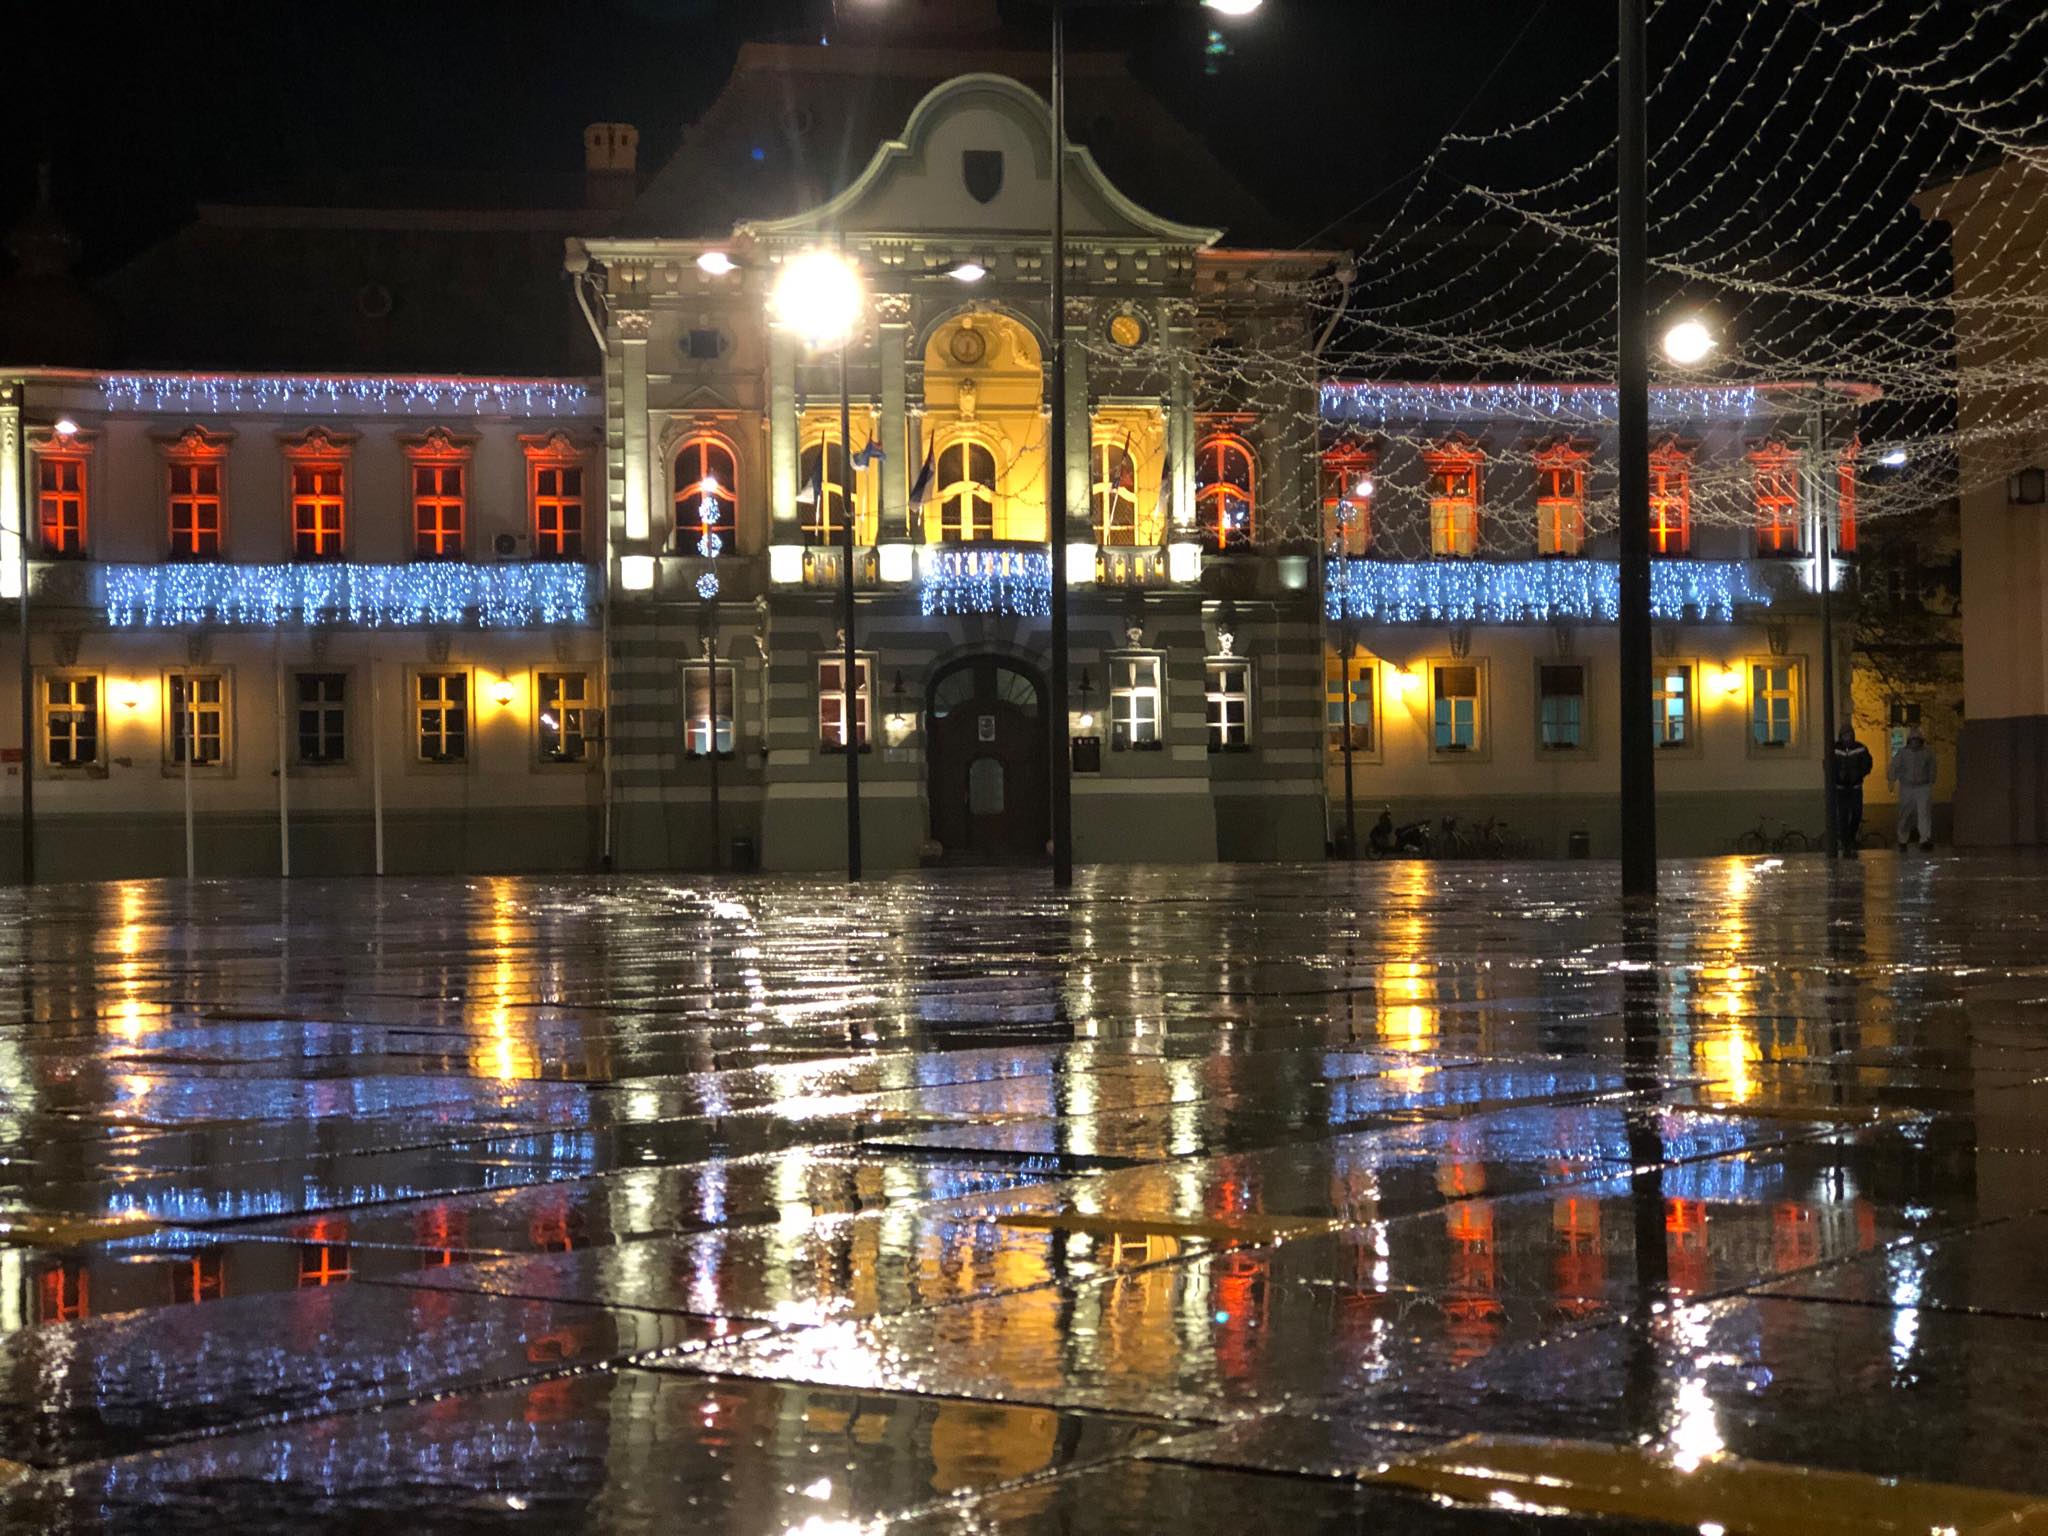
(968, 347)
(1126, 331)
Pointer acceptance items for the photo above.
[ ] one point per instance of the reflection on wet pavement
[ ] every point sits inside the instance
(1349, 1198)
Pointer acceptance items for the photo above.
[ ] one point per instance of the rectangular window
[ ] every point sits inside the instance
(441, 716)
(1359, 692)
(195, 509)
(71, 719)
(703, 709)
(832, 703)
(437, 508)
(1777, 502)
(1671, 703)
(1561, 506)
(199, 718)
(316, 511)
(1457, 708)
(1230, 704)
(322, 717)
(1772, 692)
(558, 511)
(1347, 504)
(564, 717)
(1133, 702)
(1670, 504)
(1561, 700)
(60, 504)
(1454, 510)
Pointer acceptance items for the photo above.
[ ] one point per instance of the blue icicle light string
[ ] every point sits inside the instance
(1011, 581)
(428, 593)
(1532, 591)
(349, 394)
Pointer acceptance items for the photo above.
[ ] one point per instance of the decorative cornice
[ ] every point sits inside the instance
(892, 308)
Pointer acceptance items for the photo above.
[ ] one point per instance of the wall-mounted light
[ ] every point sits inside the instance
(65, 427)
(1080, 564)
(636, 573)
(716, 263)
(1184, 562)
(1410, 679)
(968, 272)
(1730, 680)
(897, 562)
(502, 692)
(1084, 721)
(899, 722)
(128, 695)
(786, 564)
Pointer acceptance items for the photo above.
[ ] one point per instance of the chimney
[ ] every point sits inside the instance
(611, 160)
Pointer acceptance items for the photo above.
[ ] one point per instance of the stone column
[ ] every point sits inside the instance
(782, 486)
(892, 316)
(1074, 396)
(635, 326)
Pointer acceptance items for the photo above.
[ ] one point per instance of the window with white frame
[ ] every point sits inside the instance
(564, 716)
(441, 716)
(1671, 704)
(199, 718)
(1229, 695)
(322, 703)
(1561, 706)
(1457, 714)
(832, 711)
(1133, 702)
(1348, 686)
(71, 720)
(708, 698)
(1773, 698)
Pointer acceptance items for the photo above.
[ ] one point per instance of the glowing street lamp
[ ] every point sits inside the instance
(1232, 7)
(716, 263)
(818, 297)
(1688, 342)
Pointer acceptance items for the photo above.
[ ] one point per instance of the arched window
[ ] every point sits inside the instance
(1113, 491)
(705, 466)
(1225, 491)
(967, 491)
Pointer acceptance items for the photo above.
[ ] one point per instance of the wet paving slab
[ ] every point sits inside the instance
(1383, 1197)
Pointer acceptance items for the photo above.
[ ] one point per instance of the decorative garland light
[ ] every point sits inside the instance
(709, 544)
(230, 393)
(1009, 581)
(1384, 404)
(426, 593)
(1532, 591)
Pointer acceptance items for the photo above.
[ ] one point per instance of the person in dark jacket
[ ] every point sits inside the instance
(1851, 766)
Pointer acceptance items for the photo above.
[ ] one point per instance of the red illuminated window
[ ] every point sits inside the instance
(1348, 489)
(706, 467)
(203, 1277)
(65, 1292)
(555, 485)
(437, 508)
(1454, 484)
(60, 501)
(318, 467)
(1226, 491)
(1670, 499)
(1777, 499)
(196, 481)
(324, 1256)
(1561, 499)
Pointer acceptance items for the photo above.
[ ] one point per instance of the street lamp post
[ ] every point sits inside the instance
(1632, 447)
(1824, 539)
(818, 296)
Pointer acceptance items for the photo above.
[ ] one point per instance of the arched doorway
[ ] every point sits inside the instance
(986, 739)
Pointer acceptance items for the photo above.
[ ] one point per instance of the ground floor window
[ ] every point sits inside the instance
(441, 716)
(1671, 702)
(322, 717)
(1229, 695)
(709, 702)
(832, 710)
(1133, 702)
(1457, 707)
(1348, 680)
(199, 718)
(71, 721)
(1772, 694)
(1561, 704)
(564, 716)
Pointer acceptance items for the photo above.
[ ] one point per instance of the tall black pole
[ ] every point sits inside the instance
(717, 822)
(849, 678)
(1056, 474)
(1632, 446)
(1350, 796)
(17, 396)
(1824, 541)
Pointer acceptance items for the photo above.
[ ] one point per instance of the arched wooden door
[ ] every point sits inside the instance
(986, 740)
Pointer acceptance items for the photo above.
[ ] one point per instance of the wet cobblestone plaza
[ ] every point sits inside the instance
(1396, 1197)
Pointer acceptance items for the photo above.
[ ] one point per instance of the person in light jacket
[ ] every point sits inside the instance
(1912, 770)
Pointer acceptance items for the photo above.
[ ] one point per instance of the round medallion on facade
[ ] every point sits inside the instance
(967, 347)
(1127, 330)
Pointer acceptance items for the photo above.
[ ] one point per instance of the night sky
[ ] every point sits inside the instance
(1322, 105)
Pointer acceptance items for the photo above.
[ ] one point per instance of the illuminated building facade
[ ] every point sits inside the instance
(1471, 591)
(328, 623)
(1194, 622)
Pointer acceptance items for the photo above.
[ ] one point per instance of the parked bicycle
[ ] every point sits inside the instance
(1772, 836)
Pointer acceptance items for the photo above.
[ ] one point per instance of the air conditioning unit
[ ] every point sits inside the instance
(506, 545)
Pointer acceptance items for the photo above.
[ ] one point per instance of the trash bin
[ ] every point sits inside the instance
(742, 855)
(1580, 845)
